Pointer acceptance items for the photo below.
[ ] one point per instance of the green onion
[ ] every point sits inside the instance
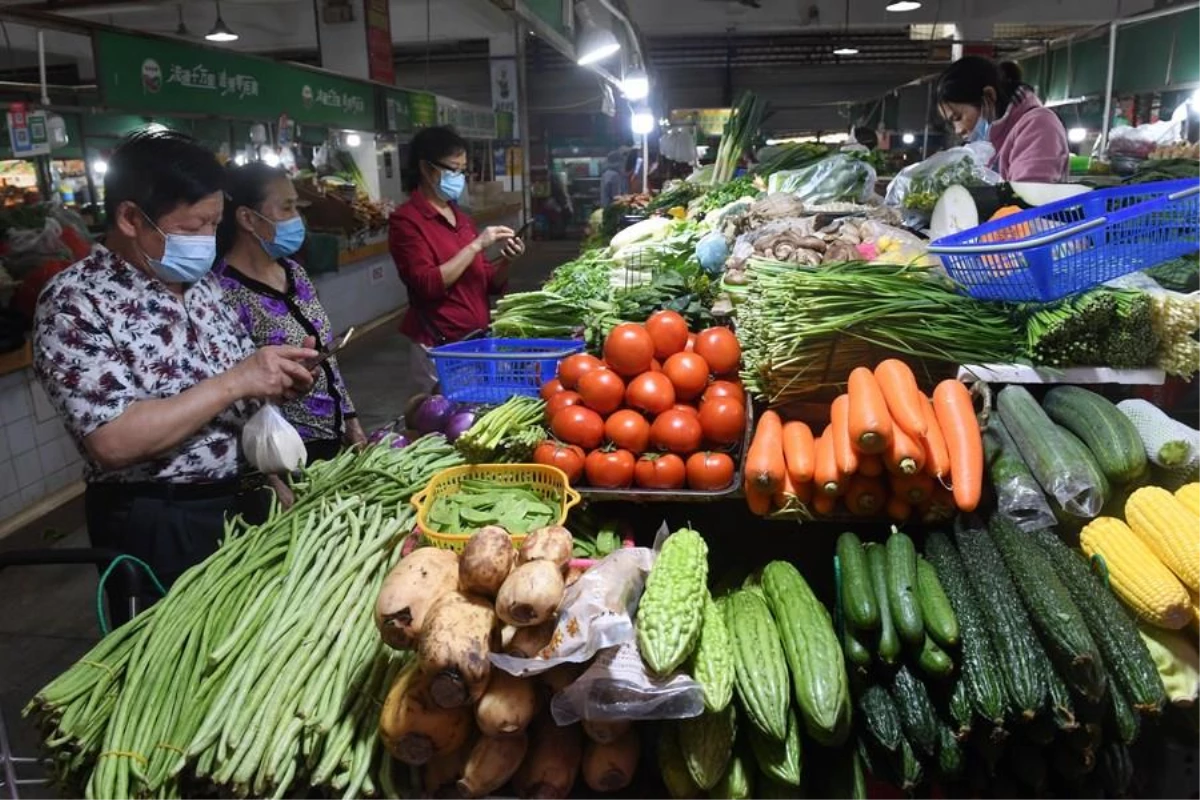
(740, 129)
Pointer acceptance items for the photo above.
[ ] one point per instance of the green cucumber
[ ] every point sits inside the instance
(881, 719)
(859, 606)
(889, 642)
(917, 715)
(1109, 435)
(902, 589)
(934, 661)
(936, 611)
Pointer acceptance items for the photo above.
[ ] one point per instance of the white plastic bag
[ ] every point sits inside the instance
(617, 686)
(918, 186)
(271, 444)
(595, 613)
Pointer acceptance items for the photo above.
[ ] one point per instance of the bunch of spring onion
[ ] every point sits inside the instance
(804, 329)
(740, 129)
(507, 433)
(261, 672)
(537, 315)
(1175, 318)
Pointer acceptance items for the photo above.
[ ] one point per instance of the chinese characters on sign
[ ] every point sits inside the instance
(200, 77)
(380, 64)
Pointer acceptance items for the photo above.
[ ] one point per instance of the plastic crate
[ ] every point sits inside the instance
(1069, 246)
(549, 483)
(491, 371)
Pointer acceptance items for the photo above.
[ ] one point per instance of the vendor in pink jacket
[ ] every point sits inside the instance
(989, 101)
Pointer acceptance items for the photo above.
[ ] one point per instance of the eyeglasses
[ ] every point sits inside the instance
(448, 168)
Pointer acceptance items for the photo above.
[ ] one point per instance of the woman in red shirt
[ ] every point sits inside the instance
(439, 254)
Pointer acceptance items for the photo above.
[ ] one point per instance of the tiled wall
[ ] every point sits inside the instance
(37, 457)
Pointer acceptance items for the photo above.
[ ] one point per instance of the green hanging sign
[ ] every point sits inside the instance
(423, 109)
(157, 75)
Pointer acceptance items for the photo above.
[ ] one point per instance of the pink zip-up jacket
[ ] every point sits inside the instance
(1030, 142)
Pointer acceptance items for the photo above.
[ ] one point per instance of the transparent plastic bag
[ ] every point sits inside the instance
(617, 686)
(838, 178)
(271, 444)
(596, 613)
(918, 186)
(1018, 495)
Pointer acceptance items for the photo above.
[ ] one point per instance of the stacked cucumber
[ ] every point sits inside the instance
(1047, 683)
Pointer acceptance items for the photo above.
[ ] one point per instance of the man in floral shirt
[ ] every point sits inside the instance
(150, 371)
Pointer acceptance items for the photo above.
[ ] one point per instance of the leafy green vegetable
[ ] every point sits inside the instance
(515, 507)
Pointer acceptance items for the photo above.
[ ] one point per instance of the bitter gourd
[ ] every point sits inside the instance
(672, 606)
(760, 667)
(712, 660)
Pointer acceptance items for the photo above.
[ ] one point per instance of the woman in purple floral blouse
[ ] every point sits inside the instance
(275, 300)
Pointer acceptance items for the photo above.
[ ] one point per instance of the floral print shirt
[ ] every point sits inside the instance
(272, 317)
(107, 335)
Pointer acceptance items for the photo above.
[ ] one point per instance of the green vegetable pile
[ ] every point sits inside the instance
(1101, 327)
(728, 192)
(261, 672)
(478, 502)
(925, 189)
(506, 434)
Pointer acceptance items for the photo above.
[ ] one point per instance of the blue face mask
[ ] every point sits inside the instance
(980, 133)
(185, 258)
(289, 235)
(451, 185)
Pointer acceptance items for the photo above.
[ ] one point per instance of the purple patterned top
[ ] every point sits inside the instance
(272, 317)
(107, 335)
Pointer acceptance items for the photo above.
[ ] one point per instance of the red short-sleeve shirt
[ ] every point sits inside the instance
(421, 240)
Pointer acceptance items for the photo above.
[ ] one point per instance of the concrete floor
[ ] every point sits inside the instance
(48, 614)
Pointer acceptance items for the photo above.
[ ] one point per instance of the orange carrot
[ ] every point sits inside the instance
(899, 387)
(758, 500)
(764, 461)
(865, 496)
(869, 421)
(844, 453)
(871, 466)
(955, 413)
(786, 493)
(912, 488)
(804, 492)
(798, 451)
(825, 471)
(824, 504)
(937, 457)
(898, 508)
(904, 456)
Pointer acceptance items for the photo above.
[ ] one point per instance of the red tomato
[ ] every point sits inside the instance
(602, 391)
(669, 331)
(629, 349)
(628, 430)
(566, 457)
(551, 388)
(560, 401)
(660, 471)
(720, 349)
(687, 409)
(690, 347)
(708, 472)
(655, 365)
(725, 389)
(650, 392)
(579, 425)
(723, 420)
(688, 373)
(572, 368)
(676, 431)
(609, 469)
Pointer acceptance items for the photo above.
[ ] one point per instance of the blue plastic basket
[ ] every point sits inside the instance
(493, 370)
(1072, 245)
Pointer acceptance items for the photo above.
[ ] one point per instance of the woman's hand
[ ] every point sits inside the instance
(492, 234)
(354, 435)
(513, 249)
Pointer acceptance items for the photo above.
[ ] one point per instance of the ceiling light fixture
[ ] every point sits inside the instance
(908, 138)
(636, 85)
(1076, 135)
(900, 6)
(642, 121)
(220, 31)
(846, 49)
(353, 139)
(595, 42)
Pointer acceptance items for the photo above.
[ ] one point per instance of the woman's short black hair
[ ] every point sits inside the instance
(244, 186)
(965, 79)
(431, 145)
(159, 170)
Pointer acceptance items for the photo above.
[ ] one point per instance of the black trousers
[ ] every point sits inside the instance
(322, 449)
(169, 530)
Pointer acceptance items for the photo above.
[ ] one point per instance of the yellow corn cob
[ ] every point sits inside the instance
(1142, 582)
(1189, 495)
(1165, 525)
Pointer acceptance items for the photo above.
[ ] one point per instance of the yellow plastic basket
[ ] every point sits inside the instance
(549, 483)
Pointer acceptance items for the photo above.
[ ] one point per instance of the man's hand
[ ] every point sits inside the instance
(273, 373)
(513, 249)
(492, 234)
